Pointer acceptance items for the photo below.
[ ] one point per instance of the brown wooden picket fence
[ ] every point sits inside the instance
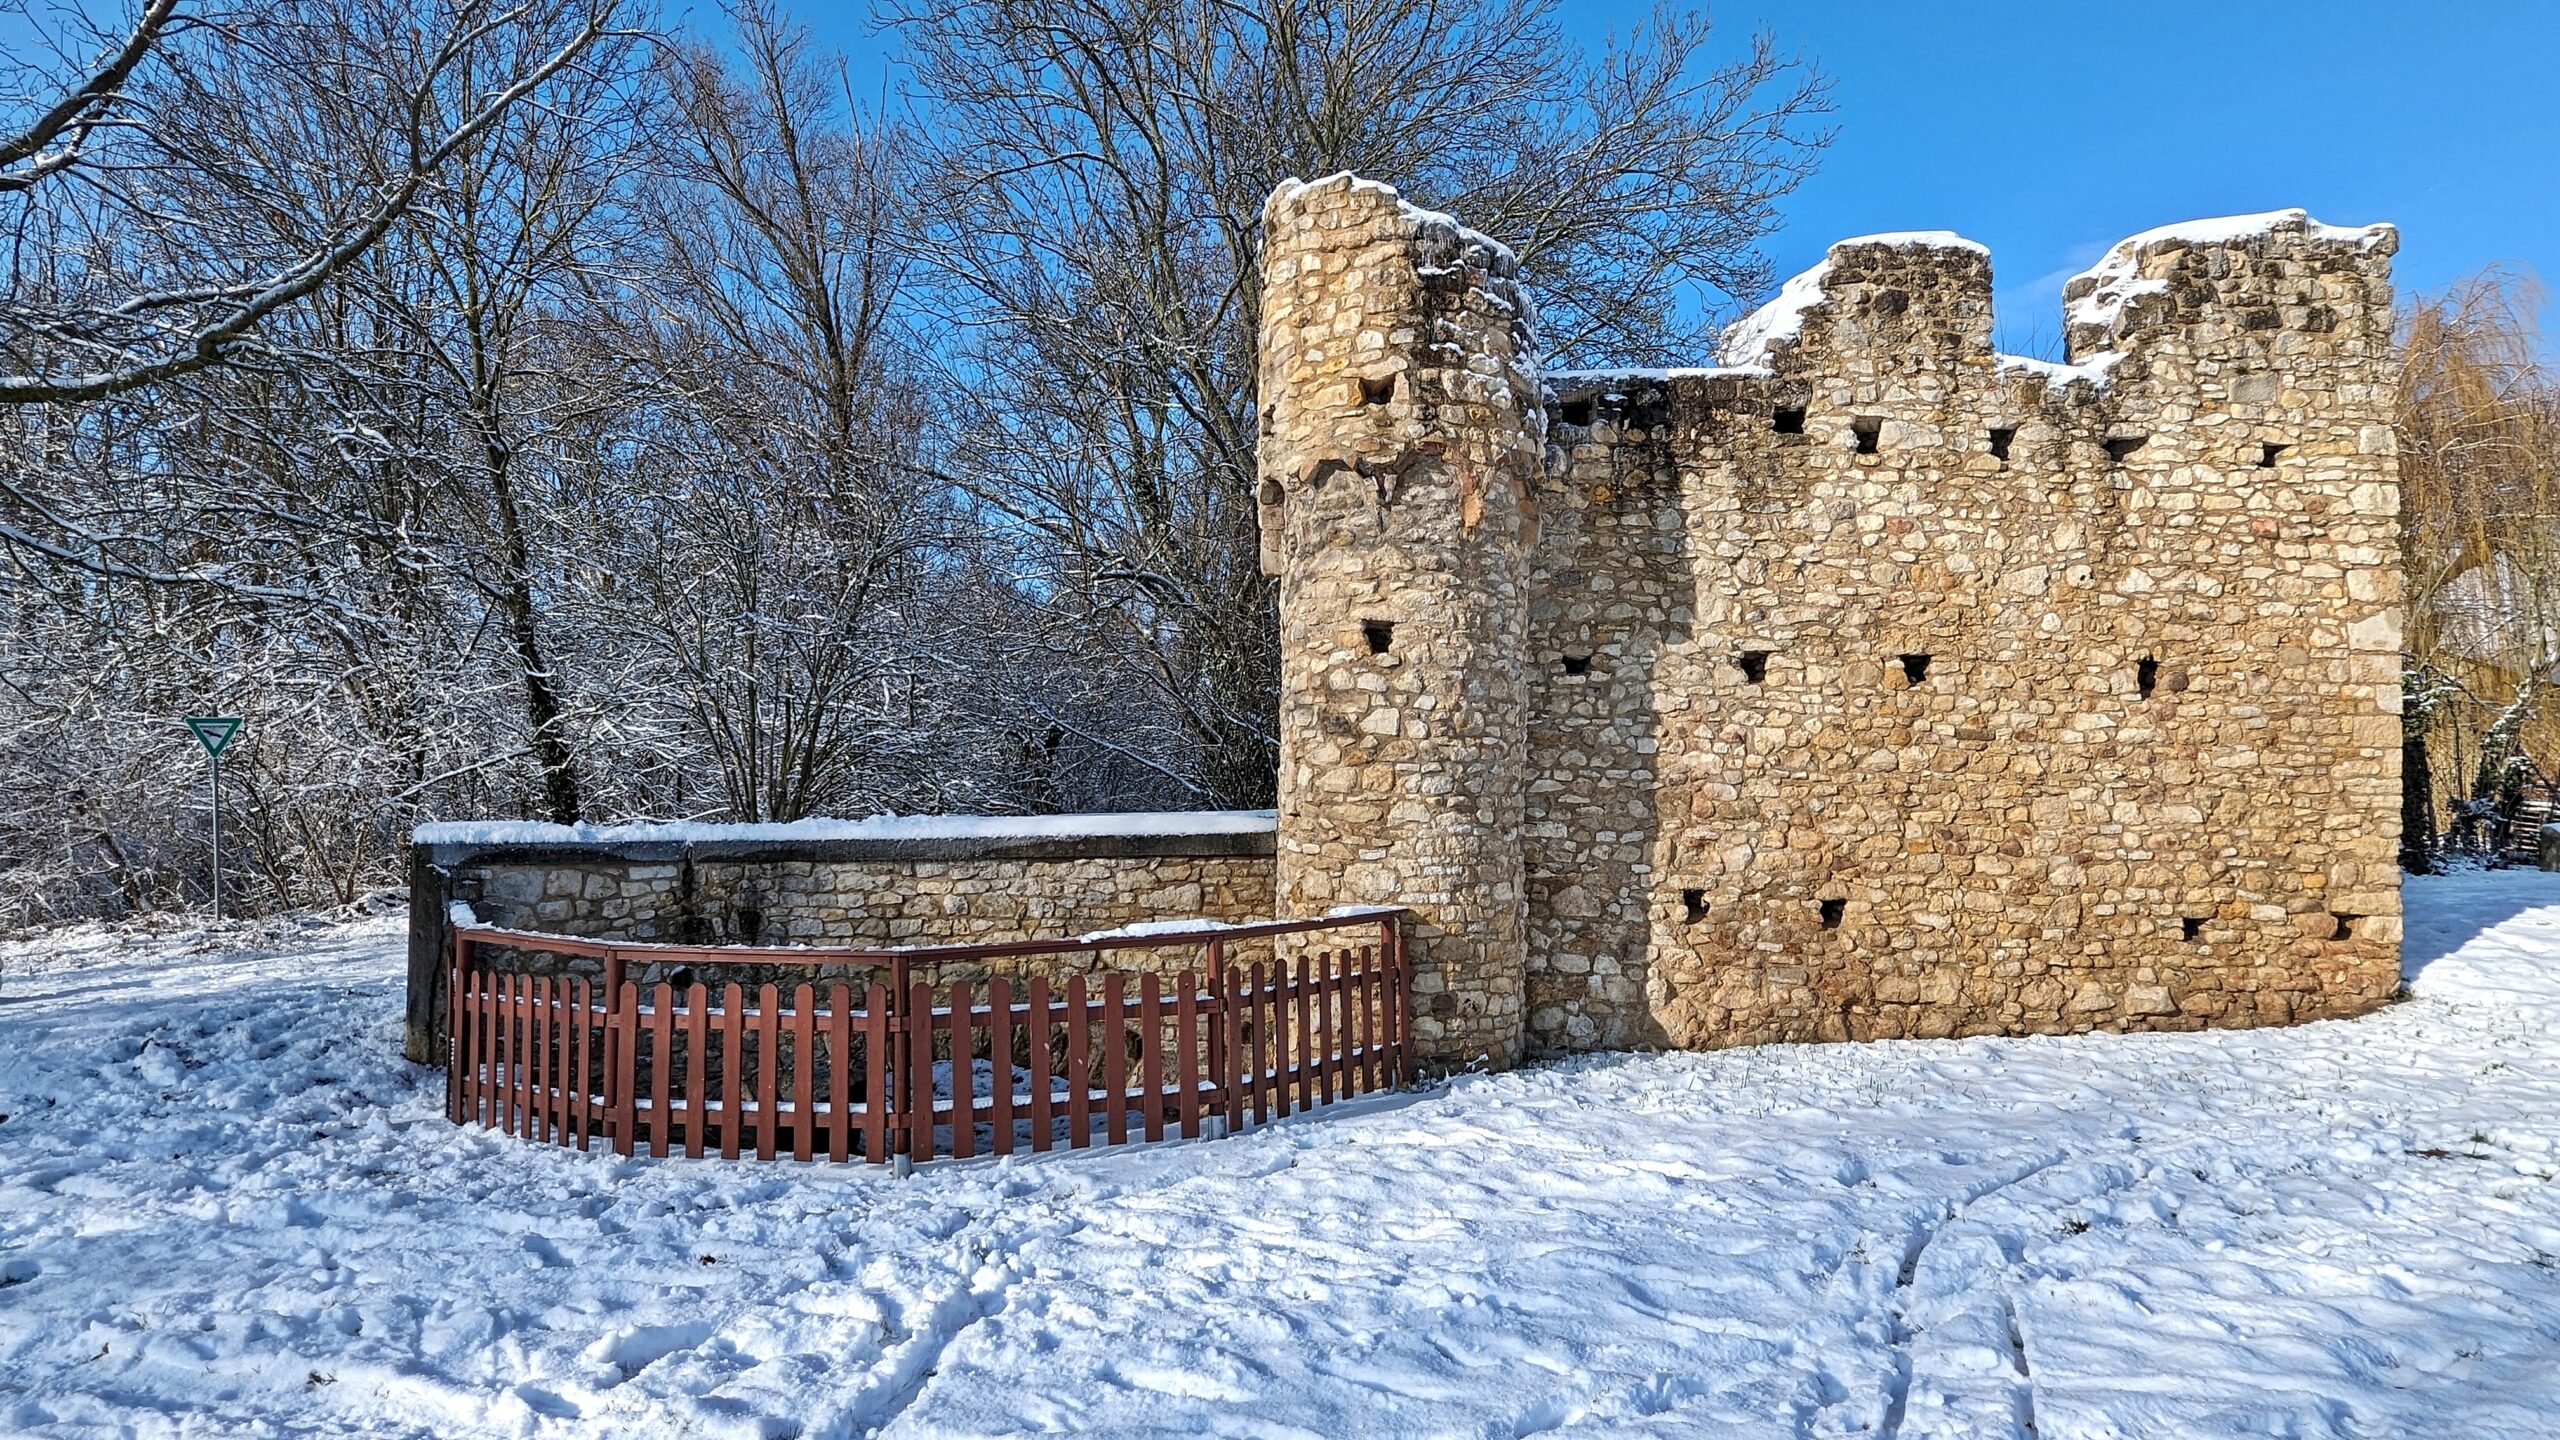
(898, 1065)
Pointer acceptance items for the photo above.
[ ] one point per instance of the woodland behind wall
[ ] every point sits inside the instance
(710, 442)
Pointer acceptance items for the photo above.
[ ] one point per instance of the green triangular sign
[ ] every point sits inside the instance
(214, 732)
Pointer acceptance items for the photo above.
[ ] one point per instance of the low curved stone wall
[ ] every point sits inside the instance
(902, 881)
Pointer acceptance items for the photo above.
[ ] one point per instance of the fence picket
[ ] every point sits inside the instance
(537, 1097)
(1338, 1031)
(1079, 1066)
(1151, 1053)
(964, 1072)
(1260, 1018)
(497, 1042)
(529, 1067)
(804, 1072)
(1370, 1078)
(733, 1062)
(875, 1075)
(455, 1028)
(581, 1098)
(662, 1030)
(693, 1078)
(619, 1067)
(1000, 1061)
(1231, 1070)
(1327, 1023)
(1115, 1056)
(839, 1073)
(514, 1033)
(1186, 1056)
(556, 1021)
(1043, 1107)
(920, 1101)
(1306, 1047)
(465, 1047)
(768, 1099)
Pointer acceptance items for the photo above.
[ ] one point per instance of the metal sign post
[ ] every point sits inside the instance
(215, 733)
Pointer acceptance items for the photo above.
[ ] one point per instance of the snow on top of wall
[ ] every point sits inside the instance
(2097, 369)
(1149, 929)
(1922, 239)
(1289, 188)
(876, 827)
(1747, 340)
(2119, 272)
(2223, 229)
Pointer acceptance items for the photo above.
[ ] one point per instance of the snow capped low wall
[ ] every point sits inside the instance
(887, 880)
(921, 830)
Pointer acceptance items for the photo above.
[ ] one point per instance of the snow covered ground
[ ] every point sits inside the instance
(228, 1208)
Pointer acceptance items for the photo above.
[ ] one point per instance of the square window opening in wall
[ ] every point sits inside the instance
(2191, 928)
(1832, 913)
(1915, 668)
(2345, 928)
(1754, 665)
(1577, 664)
(1787, 421)
(1380, 635)
(2146, 675)
(1869, 432)
(2268, 455)
(2001, 435)
(1377, 391)
(1574, 412)
(1693, 905)
(2120, 448)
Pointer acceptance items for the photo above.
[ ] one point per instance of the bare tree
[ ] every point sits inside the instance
(179, 211)
(1100, 172)
(2479, 441)
(784, 534)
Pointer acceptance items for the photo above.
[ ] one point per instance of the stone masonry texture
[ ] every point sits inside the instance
(824, 894)
(1872, 684)
(1401, 463)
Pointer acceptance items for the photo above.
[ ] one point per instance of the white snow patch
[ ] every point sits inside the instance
(2118, 272)
(1747, 341)
(1468, 234)
(1921, 239)
(2225, 229)
(2097, 369)
(877, 827)
(227, 1207)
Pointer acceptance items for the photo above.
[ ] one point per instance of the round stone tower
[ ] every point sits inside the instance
(1402, 438)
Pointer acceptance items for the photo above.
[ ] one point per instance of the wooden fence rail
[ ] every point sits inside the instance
(903, 1066)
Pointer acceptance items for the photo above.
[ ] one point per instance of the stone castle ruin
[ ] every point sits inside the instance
(1869, 683)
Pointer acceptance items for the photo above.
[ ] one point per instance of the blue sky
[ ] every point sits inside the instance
(2049, 130)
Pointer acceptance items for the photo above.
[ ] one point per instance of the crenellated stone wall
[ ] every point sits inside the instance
(1868, 683)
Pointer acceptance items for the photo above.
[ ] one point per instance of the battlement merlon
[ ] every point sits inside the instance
(2216, 287)
(2235, 282)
